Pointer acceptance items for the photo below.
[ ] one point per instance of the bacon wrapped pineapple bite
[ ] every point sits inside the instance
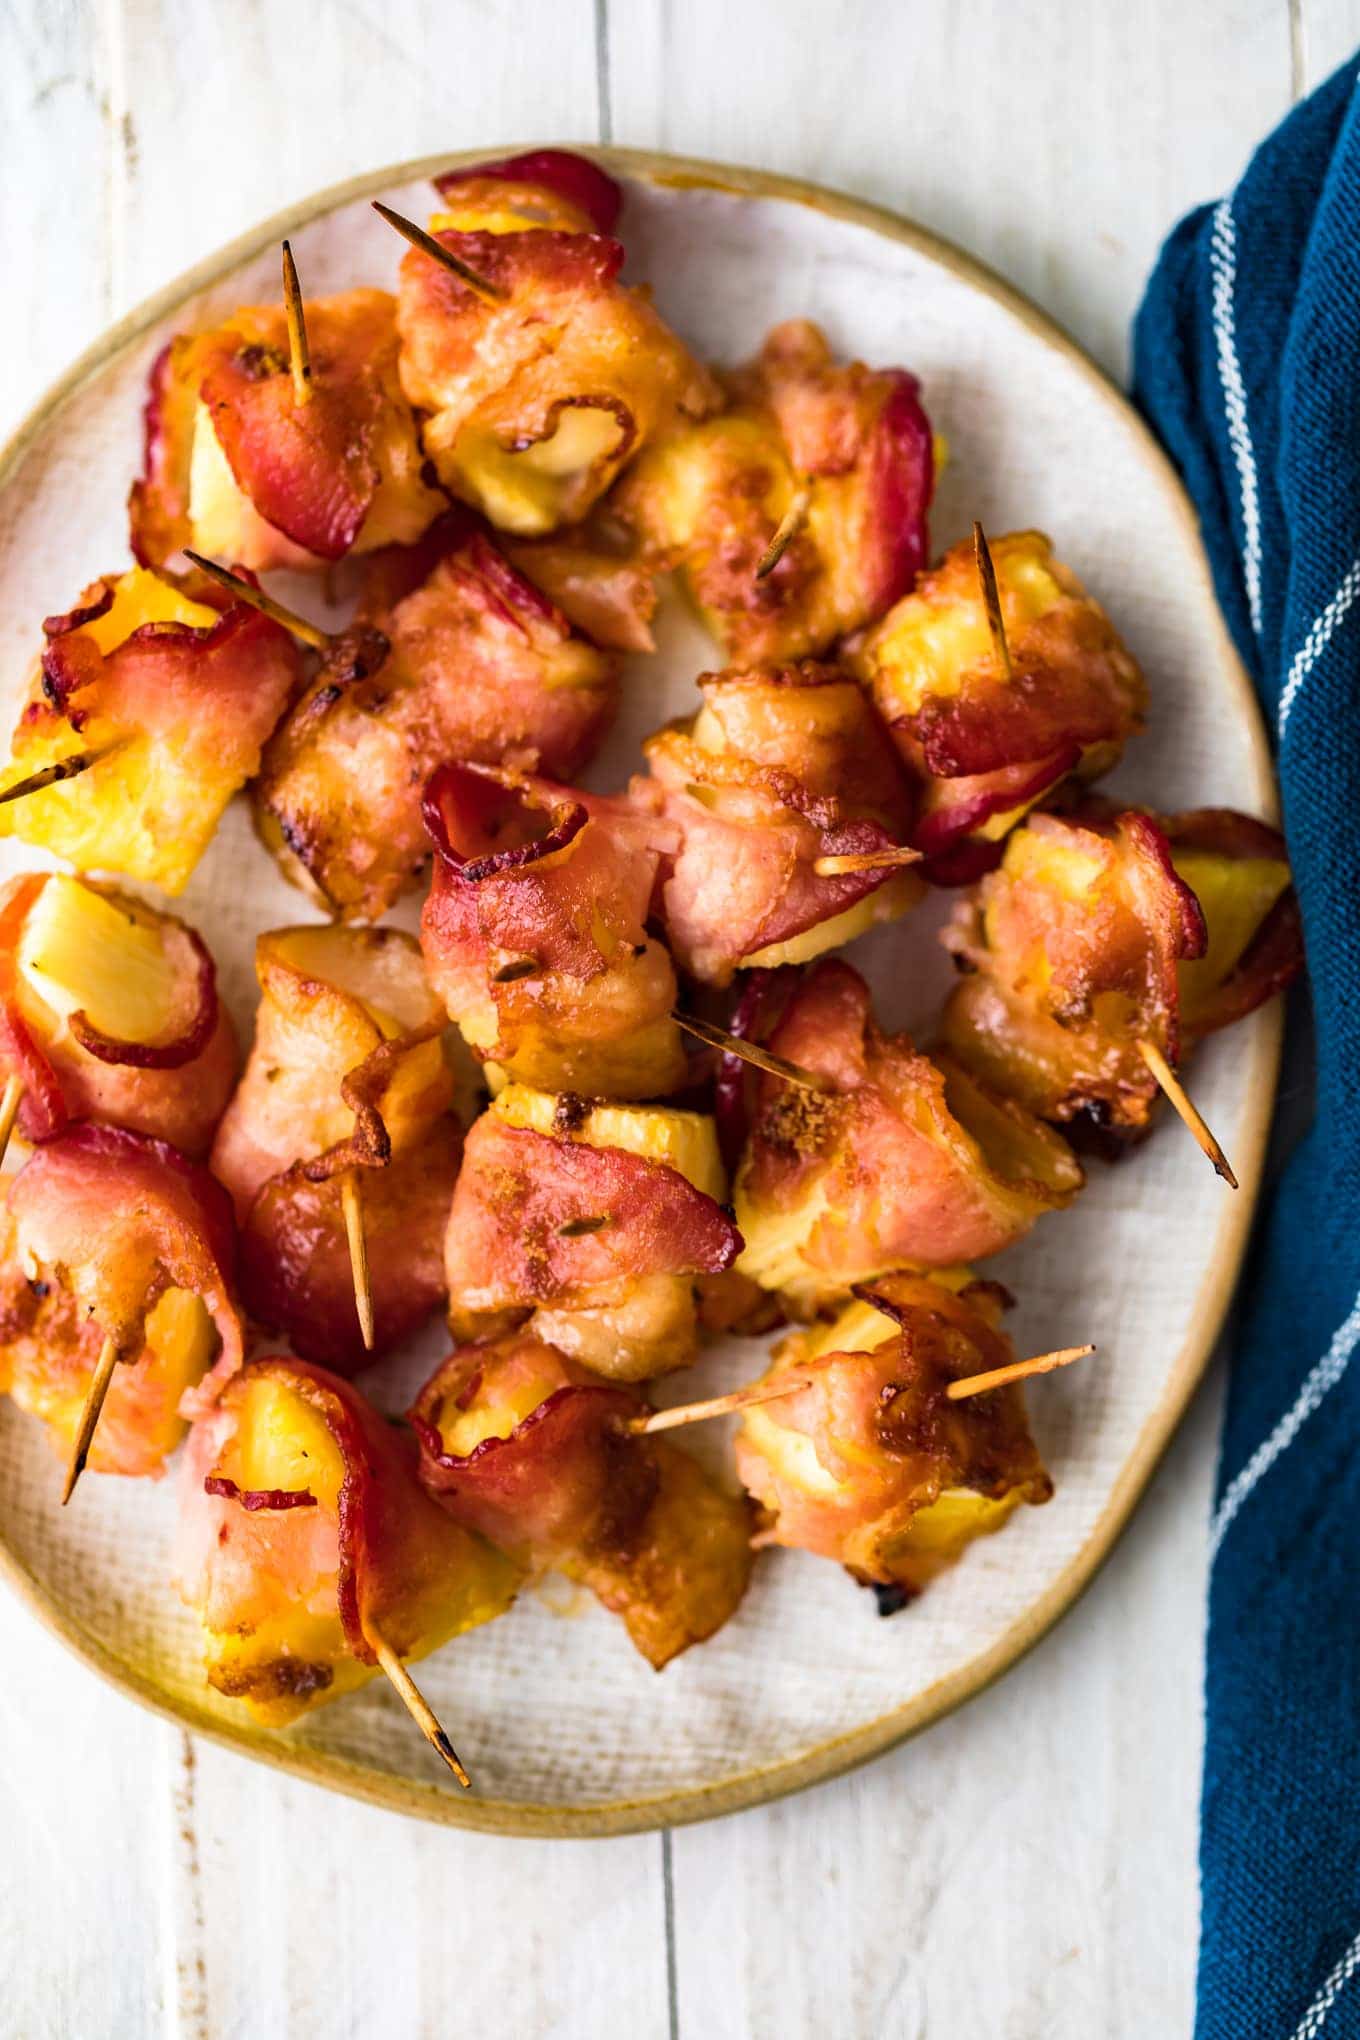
(597, 1224)
(339, 1148)
(791, 810)
(1106, 946)
(282, 438)
(454, 654)
(524, 1446)
(108, 1011)
(539, 373)
(799, 513)
(311, 1554)
(1000, 677)
(115, 1249)
(873, 1463)
(148, 711)
(874, 1156)
(535, 934)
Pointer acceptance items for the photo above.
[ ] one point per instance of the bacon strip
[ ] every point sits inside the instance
(981, 741)
(507, 1247)
(565, 335)
(187, 710)
(116, 1220)
(632, 1518)
(805, 771)
(707, 500)
(473, 663)
(347, 1072)
(886, 1441)
(532, 874)
(1088, 940)
(174, 1089)
(312, 474)
(906, 1163)
(292, 1592)
(590, 191)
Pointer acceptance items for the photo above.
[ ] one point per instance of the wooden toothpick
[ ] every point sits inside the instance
(991, 601)
(437, 252)
(787, 529)
(299, 354)
(352, 1205)
(309, 633)
(1018, 1370)
(717, 1405)
(749, 1051)
(866, 860)
(418, 1707)
(10, 1101)
(65, 768)
(89, 1416)
(1189, 1112)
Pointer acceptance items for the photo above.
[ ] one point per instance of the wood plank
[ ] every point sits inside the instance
(1026, 1866)
(295, 1911)
(232, 112)
(53, 195)
(80, 1861)
(1325, 35)
(1056, 140)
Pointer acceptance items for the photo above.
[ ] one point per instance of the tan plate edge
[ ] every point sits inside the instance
(841, 1753)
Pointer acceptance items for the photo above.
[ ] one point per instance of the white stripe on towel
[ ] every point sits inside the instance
(1314, 2019)
(1324, 1376)
(1319, 637)
(1223, 262)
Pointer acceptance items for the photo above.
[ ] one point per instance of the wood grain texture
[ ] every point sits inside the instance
(1028, 1867)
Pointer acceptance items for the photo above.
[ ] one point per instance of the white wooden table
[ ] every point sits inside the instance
(1026, 1868)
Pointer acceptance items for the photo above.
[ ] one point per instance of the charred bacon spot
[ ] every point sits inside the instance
(892, 1599)
(258, 361)
(570, 1113)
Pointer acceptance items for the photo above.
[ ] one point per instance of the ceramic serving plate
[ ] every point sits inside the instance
(565, 1728)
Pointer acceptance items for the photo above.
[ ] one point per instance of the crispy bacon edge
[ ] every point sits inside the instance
(575, 178)
(369, 1449)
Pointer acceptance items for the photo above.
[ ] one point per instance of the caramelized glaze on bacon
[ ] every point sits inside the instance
(546, 187)
(535, 934)
(982, 745)
(708, 499)
(782, 766)
(601, 1245)
(1090, 938)
(871, 1464)
(530, 1450)
(294, 1584)
(347, 1073)
(907, 1162)
(499, 378)
(174, 1088)
(306, 483)
(188, 709)
(472, 663)
(108, 1234)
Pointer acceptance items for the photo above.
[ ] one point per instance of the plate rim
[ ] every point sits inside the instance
(838, 1754)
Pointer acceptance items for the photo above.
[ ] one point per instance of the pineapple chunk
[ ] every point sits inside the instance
(81, 951)
(182, 1342)
(523, 492)
(773, 1254)
(885, 903)
(141, 597)
(685, 1141)
(224, 520)
(281, 1442)
(496, 1415)
(937, 1533)
(926, 647)
(1235, 895)
(136, 811)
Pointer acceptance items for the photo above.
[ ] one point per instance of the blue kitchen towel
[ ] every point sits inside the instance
(1247, 362)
